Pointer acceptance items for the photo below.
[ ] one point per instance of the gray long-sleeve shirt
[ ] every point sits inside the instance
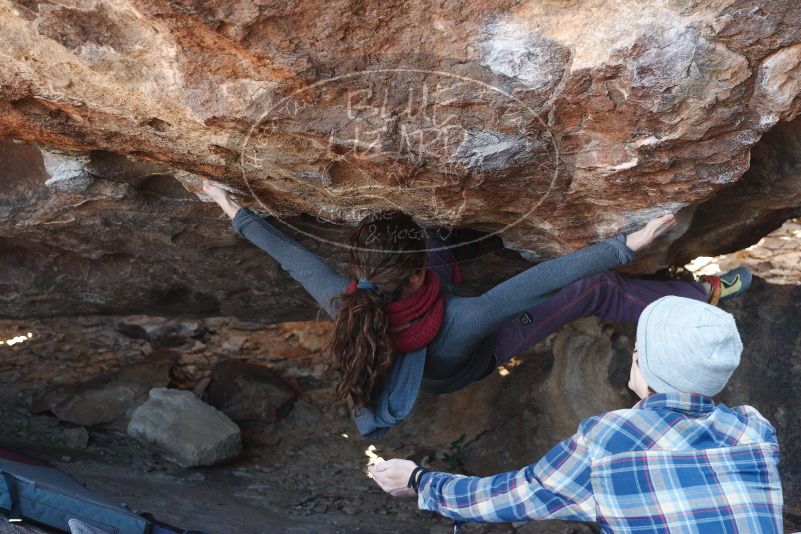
(461, 352)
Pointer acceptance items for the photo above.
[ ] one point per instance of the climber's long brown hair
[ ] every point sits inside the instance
(387, 248)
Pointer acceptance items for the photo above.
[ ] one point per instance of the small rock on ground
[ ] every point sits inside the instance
(190, 431)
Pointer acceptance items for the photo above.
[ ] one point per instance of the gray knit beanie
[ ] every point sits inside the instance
(684, 345)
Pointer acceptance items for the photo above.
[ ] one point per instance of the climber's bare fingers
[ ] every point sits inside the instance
(661, 224)
(653, 229)
(214, 191)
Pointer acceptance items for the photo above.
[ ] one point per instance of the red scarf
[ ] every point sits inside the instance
(426, 305)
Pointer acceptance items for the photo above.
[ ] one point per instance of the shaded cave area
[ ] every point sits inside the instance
(126, 281)
(100, 233)
(69, 389)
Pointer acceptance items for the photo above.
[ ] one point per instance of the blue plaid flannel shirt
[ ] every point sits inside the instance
(674, 462)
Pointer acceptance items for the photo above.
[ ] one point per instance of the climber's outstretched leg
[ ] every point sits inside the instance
(606, 296)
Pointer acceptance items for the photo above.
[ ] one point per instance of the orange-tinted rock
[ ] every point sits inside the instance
(560, 115)
(555, 125)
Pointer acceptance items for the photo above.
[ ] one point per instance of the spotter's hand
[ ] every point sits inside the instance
(393, 476)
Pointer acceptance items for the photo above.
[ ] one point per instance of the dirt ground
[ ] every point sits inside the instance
(304, 473)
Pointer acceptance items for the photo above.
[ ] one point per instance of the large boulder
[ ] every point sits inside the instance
(109, 396)
(249, 392)
(189, 431)
(553, 126)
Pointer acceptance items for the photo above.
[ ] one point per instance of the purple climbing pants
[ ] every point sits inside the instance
(606, 296)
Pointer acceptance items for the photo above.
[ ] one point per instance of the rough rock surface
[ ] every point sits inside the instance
(192, 432)
(76, 438)
(772, 186)
(107, 397)
(135, 241)
(247, 392)
(553, 124)
(775, 258)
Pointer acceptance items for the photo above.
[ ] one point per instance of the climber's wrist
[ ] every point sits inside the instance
(230, 207)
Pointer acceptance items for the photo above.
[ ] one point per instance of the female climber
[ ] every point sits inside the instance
(399, 327)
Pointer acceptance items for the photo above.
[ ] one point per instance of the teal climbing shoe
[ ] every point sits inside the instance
(729, 285)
